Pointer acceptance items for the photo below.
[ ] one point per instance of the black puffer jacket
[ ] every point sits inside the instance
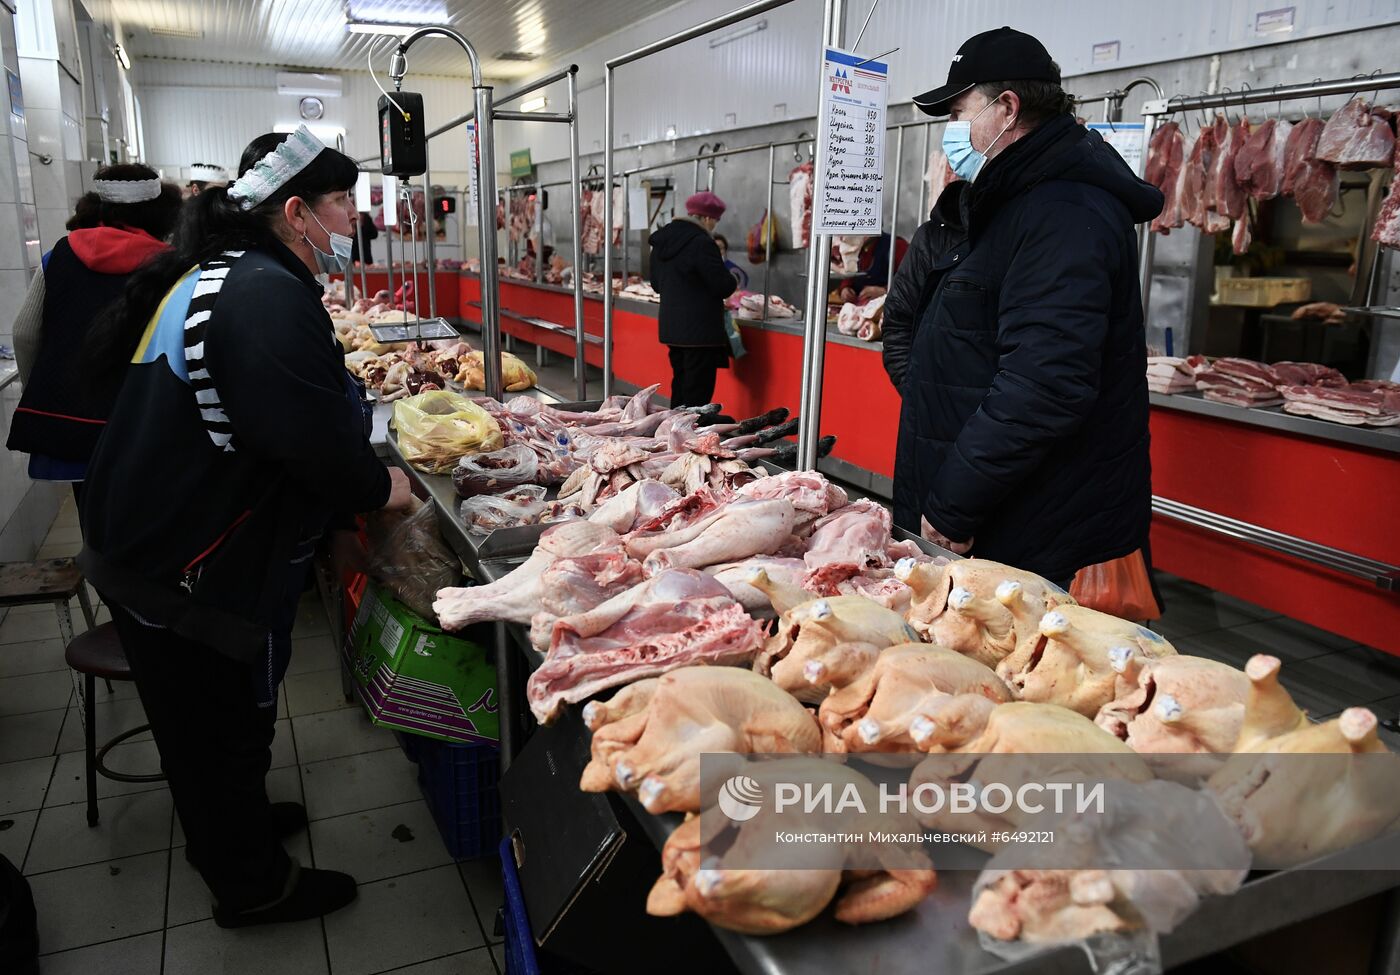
(690, 276)
(914, 281)
(1024, 423)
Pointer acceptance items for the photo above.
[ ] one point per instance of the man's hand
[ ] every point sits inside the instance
(932, 534)
(400, 491)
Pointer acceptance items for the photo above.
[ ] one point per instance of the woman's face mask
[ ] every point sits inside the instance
(966, 160)
(339, 258)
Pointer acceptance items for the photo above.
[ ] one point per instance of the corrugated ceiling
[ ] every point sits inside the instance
(311, 33)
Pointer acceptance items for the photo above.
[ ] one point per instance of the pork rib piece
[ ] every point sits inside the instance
(1387, 229)
(1229, 195)
(678, 618)
(515, 598)
(1313, 183)
(1357, 137)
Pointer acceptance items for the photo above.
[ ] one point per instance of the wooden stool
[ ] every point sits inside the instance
(51, 581)
(99, 653)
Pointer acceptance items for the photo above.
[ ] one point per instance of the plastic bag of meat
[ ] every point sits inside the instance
(1172, 846)
(438, 428)
(522, 505)
(408, 556)
(490, 472)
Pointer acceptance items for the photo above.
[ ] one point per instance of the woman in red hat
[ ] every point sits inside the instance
(689, 274)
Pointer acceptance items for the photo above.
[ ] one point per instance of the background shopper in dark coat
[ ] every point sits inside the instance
(1024, 430)
(689, 274)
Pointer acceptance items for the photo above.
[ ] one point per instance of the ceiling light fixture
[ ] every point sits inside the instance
(376, 27)
(534, 104)
(516, 56)
(753, 28)
(187, 32)
(122, 58)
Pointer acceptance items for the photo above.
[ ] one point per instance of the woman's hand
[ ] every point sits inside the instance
(400, 491)
(932, 534)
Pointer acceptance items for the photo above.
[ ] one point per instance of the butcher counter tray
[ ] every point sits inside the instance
(1274, 418)
(936, 937)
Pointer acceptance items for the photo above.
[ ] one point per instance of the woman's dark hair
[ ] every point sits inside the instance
(210, 224)
(156, 217)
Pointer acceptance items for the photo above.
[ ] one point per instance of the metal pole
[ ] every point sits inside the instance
(924, 202)
(1351, 86)
(486, 215)
(364, 242)
(607, 231)
(349, 274)
(466, 196)
(430, 228)
(699, 30)
(818, 278)
(894, 207)
(626, 225)
(539, 237)
(575, 198)
(389, 241)
(767, 236)
(1147, 243)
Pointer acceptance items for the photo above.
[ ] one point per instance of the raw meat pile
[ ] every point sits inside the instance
(750, 307)
(1352, 405)
(800, 202)
(1172, 374)
(862, 321)
(1165, 154)
(1240, 382)
(1358, 136)
(1387, 229)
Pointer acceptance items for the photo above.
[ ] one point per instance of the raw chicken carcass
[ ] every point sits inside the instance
(1071, 663)
(1269, 711)
(874, 698)
(1313, 183)
(650, 738)
(1357, 137)
(770, 901)
(786, 573)
(1312, 791)
(1176, 705)
(978, 607)
(808, 630)
(515, 598)
(674, 619)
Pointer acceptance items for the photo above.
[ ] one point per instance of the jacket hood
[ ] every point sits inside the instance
(671, 239)
(114, 250)
(1061, 149)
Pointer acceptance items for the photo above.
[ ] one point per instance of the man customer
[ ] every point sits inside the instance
(689, 274)
(1023, 435)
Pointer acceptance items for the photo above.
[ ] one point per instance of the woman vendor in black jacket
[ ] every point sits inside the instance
(689, 274)
(235, 440)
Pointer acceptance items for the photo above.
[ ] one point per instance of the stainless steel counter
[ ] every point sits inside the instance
(1274, 418)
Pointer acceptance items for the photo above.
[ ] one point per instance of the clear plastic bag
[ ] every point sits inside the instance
(519, 506)
(408, 556)
(491, 472)
(437, 428)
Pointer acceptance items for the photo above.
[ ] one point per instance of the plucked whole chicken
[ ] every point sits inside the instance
(977, 607)
(877, 693)
(649, 737)
(1071, 662)
(1176, 705)
(1299, 790)
(771, 901)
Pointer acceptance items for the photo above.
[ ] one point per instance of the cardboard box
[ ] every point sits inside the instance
(414, 677)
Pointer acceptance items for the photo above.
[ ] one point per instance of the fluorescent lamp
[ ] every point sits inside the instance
(122, 58)
(745, 31)
(534, 104)
(362, 190)
(376, 27)
(391, 201)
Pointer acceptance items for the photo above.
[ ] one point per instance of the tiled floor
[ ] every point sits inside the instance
(119, 899)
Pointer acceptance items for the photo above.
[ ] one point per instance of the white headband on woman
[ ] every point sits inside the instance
(274, 170)
(126, 190)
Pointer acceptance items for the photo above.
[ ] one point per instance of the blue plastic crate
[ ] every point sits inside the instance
(513, 924)
(409, 744)
(460, 783)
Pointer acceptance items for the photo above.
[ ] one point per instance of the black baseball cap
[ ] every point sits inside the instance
(994, 55)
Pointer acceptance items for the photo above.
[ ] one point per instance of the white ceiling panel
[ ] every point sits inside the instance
(311, 33)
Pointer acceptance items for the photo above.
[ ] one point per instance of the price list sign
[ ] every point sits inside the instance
(849, 192)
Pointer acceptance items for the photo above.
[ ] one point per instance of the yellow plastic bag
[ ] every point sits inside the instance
(438, 428)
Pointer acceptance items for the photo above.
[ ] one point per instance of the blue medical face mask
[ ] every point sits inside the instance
(339, 258)
(964, 159)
